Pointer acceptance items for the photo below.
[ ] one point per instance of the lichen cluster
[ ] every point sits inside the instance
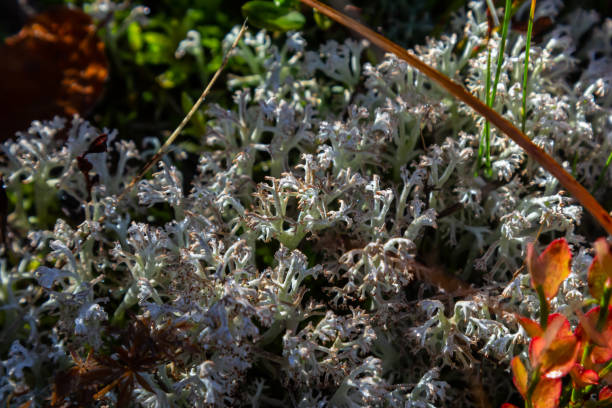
(336, 245)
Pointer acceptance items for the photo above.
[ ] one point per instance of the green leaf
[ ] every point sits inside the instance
(323, 22)
(211, 43)
(192, 17)
(158, 48)
(211, 31)
(172, 77)
(286, 3)
(265, 14)
(134, 36)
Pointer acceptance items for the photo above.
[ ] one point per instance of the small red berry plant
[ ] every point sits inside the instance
(555, 350)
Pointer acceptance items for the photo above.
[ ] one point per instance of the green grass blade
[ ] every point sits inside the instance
(502, 47)
(526, 70)
(484, 147)
(490, 93)
(602, 175)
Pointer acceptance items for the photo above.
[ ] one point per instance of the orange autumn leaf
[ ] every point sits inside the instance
(600, 271)
(534, 329)
(546, 393)
(555, 352)
(557, 359)
(520, 376)
(56, 65)
(551, 268)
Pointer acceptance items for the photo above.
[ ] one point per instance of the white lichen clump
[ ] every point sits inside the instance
(307, 259)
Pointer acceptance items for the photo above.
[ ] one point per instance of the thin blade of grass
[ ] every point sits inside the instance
(458, 91)
(490, 98)
(484, 149)
(502, 48)
(602, 175)
(526, 70)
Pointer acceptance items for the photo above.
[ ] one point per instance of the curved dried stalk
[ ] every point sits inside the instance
(458, 91)
(164, 148)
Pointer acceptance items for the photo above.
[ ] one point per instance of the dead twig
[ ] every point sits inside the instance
(163, 149)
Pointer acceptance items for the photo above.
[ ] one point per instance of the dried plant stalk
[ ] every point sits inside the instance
(162, 150)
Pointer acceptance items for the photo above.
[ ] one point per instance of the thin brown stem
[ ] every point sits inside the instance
(163, 149)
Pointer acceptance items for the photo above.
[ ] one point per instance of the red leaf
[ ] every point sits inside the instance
(84, 165)
(605, 393)
(558, 322)
(551, 268)
(98, 145)
(602, 340)
(582, 377)
(600, 271)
